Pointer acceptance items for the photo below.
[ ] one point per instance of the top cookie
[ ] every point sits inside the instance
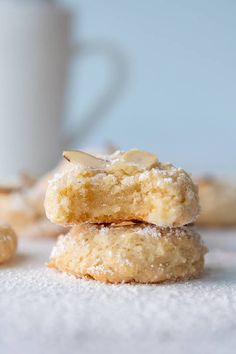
(131, 185)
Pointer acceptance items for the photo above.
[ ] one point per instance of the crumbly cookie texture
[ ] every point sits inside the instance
(218, 202)
(130, 185)
(8, 243)
(129, 253)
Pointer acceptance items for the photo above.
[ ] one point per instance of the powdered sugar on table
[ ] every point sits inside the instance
(43, 311)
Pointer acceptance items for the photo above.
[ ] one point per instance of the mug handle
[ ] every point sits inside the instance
(118, 76)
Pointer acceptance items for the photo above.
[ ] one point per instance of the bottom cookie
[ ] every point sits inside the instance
(8, 243)
(129, 253)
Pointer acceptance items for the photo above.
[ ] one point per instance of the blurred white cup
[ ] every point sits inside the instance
(35, 55)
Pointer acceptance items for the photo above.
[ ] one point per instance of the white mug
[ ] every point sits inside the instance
(35, 54)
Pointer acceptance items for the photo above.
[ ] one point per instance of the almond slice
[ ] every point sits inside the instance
(84, 159)
(142, 159)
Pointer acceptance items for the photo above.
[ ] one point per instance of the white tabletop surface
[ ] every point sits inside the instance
(43, 311)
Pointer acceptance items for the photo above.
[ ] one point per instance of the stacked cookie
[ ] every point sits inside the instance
(128, 213)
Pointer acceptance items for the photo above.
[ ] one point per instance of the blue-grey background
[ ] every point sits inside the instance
(176, 94)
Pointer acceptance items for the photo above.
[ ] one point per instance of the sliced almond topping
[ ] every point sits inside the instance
(140, 158)
(84, 159)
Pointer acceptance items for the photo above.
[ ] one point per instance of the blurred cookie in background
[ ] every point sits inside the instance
(218, 202)
(22, 206)
(8, 242)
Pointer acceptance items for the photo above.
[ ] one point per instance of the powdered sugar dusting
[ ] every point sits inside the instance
(43, 310)
(153, 231)
(103, 231)
(99, 269)
(148, 231)
(55, 178)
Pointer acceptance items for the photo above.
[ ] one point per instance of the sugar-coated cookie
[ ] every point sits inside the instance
(218, 202)
(8, 242)
(139, 253)
(131, 185)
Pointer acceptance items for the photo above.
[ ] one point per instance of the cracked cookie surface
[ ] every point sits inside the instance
(129, 252)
